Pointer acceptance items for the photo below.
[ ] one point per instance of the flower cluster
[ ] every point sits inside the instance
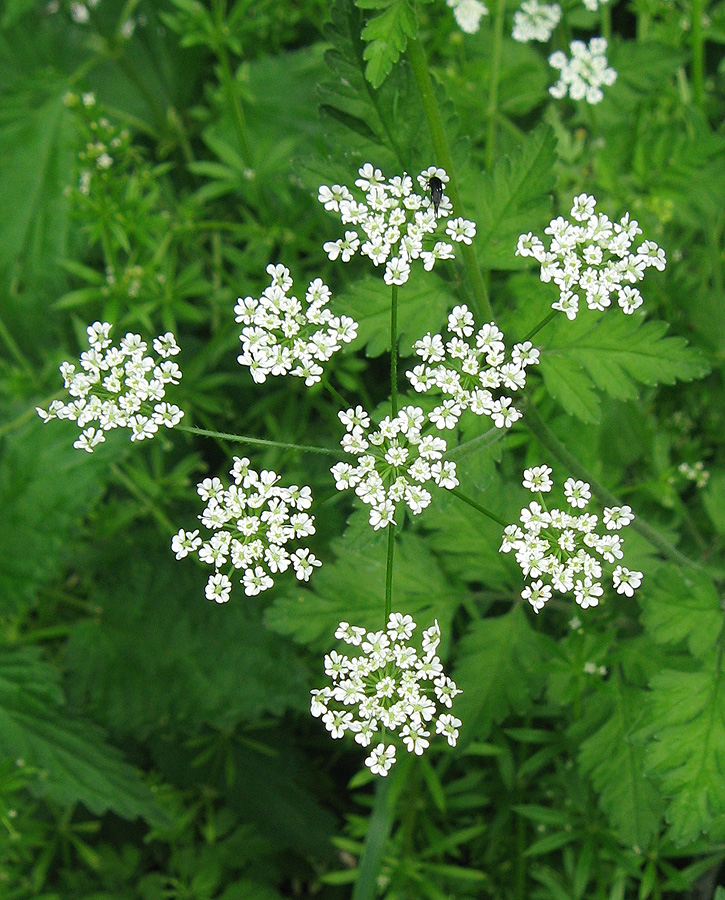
(593, 5)
(468, 14)
(535, 21)
(394, 462)
(468, 372)
(697, 473)
(388, 687)
(118, 387)
(592, 254)
(582, 76)
(252, 522)
(562, 550)
(396, 222)
(284, 336)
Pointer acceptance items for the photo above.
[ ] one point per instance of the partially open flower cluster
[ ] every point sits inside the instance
(582, 76)
(118, 387)
(284, 336)
(468, 14)
(394, 462)
(562, 550)
(469, 372)
(396, 222)
(252, 522)
(592, 255)
(388, 687)
(535, 21)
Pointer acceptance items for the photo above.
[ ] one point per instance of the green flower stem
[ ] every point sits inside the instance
(493, 83)
(542, 324)
(479, 508)
(389, 573)
(335, 393)
(538, 427)
(697, 46)
(394, 352)
(419, 64)
(228, 86)
(245, 439)
(133, 488)
(380, 825)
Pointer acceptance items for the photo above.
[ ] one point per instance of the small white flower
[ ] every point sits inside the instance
(626, 581)
(381, 760)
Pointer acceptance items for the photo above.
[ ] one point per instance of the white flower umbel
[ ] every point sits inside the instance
(582, 76)
(468, 14)
(387, 688)
(393, 225)
(252, 522)
(535, 21)
(563, 552)
(283, 336)
(591, 257)
(118, 387)
(394, 462)
(473, 371)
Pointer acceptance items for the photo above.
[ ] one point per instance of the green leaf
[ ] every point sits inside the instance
(513, 198)
(685, 735)
(76, 763)
(500, 670)
(14, 10)
(46, 489)
(615, 764)
(386, 37)
(36, 137)
(611, 353)
(683, 605)
(713, 498)
(422, 305)
(352, 588)
(158, 652)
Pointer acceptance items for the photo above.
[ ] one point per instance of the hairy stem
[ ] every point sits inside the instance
(389, 573)
(245, 439)
(479, 508)
(419, 64)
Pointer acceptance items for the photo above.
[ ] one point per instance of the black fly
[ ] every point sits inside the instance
(435, 186)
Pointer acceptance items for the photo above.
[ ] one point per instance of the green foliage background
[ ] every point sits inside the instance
(153, 745)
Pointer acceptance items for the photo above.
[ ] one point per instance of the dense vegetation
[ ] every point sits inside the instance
(157, 157)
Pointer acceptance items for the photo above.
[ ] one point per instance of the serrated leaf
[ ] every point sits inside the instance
(386, 37)
(77, 764)
(422, 305)
(352, 589)
(615, 764)
(686, 750)
(500, 669)
(513, 198)
(611, 353)
(683, 605)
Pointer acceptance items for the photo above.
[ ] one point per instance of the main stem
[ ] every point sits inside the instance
(227, 79)
(393, 414)
(245, 439)
(419, 64)
(379, 828)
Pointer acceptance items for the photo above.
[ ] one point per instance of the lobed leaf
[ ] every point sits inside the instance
(386, 37)
(77, 764)
(616, 765)
(611, 353)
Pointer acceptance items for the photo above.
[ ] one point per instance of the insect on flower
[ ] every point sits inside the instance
(435, 186)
